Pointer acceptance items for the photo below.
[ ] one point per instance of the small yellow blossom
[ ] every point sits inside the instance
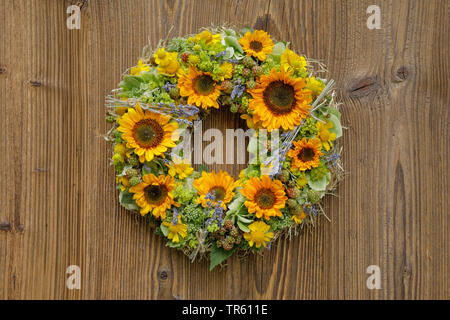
(176, 230)
(292, 61)
(168, 64)
(160, 56)
(301, 181)
(298, 218)
(141, 67)
(325, 136)
(124, 182)
(259, 234)
(208, 37)
(120, 148)
(193, 59)
(251, 122)
(315, 86)
(226, 70)
(180, 167)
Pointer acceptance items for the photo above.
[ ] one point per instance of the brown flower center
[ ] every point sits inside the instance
(256, 46)
(204, 84)
(265, 198)
(279, 97)
(148, 133)
(155, 194)
(306, 154)
(219, 192)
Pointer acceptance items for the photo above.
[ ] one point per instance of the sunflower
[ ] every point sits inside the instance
(149, 134)
(220, 184)
(280, 101)
(259, 234)
(176, 230)
(257, 44)
(199, 87)
(154, 194)
(264, 197)
(306, 154)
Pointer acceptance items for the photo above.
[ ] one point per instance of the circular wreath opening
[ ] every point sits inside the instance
(295, 158)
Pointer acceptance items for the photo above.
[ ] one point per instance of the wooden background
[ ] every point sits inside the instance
(59, 206)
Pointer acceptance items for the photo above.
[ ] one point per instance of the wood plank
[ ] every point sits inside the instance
(60, 207)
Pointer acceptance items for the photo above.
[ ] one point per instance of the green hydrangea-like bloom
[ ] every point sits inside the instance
(309, 128)
(319, 172)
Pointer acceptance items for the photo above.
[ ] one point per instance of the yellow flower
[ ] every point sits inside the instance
(264, 197)
(154, 194)
(259, 234)
(305, 154)
(250, 122)
(257, 44)
(176, 230)
(315, 86)
(208, 37)
(121, 110)
(326, 138)
(167, 62)
(301, 181)
(298, 218)
(140, 68)
(149, 134)
(199, 87)
(124, 182)
(280, 101)
(120, 148)
(221, 184)
(226, 71)
(292, 61)
(160, 56)
(193, 59)
(180, 167)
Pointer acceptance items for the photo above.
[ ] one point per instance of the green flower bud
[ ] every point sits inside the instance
(135, 181)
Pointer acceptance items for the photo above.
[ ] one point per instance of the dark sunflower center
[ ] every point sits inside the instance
(265, 198)
(155, 194)
(306, 154)
(256, 46)
(204, 84)
(219, 192)
(279, 97)
(148, 133)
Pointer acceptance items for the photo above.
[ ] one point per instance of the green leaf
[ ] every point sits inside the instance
(245, 220)
(244, 30)
(202, 167)
(334, 112)
(318, 185)
(127, 201)
(218, 255)
(131, 82)
(229, 53)
(233, 42)
(278, 49)
(243, 226)
(164, 230)
(337, 127)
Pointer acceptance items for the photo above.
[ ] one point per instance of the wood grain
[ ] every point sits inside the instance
(60, 207)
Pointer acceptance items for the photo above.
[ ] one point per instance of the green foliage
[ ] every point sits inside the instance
(278, 223)
(127, 201)
(218, 255)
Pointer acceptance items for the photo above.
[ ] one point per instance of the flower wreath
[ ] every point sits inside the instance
(272, 88)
